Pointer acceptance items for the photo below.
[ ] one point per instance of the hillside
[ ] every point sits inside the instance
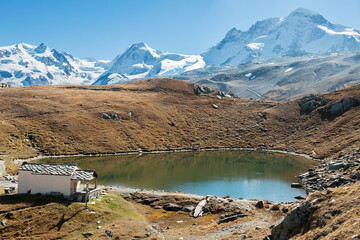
(167, 114)
(163, 114)
(282, 78)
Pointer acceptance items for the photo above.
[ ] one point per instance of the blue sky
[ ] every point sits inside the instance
(104, 28)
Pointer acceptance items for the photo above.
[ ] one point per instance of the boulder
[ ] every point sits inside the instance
(223, 94)
(200, 90)
(292, 223)
(112, 116)
(295, 185)
(338, 108)
(171, 207)
(109, 233)
(215, 106)
(231, 217)
(9, 215)
(189, 209)
(199, 210)
(87, 234)
(149, 201)
(310, 103)
(259, 204)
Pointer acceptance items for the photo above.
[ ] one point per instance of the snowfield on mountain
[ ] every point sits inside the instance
(24, 64)
(298, 34)
(140, 61)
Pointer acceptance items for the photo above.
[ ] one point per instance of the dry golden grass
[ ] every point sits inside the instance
(55, 120)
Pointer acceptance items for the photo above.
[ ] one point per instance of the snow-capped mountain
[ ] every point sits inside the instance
(24, 64)
(300, 33)
(140, 61)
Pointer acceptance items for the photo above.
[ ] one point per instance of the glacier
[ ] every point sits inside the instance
(302, 32)
(139, 61)
(24, 64)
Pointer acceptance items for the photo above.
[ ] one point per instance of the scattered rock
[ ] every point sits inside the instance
(275, 207)
(149, 201)
(199, 210)
(223, 94)
(299, 198)
(9, 215)
(309, 103)
(338, 108)
(189, 209)
(87, 234)
(113, 116)
(109, 233)
(259, 204)
(215, 106)
(285, 209)
(200, 90)
(3, 222)
(231, 217)
(171, 207)
(295, 185)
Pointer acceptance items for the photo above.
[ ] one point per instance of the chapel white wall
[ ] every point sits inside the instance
(43, 183)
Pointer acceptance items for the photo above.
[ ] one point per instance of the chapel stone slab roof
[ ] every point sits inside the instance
(84, 175)
(59, 169)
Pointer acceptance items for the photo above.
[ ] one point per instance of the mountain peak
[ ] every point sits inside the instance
(139, 45)
(41, 48)
(24, 45)
(301, 32)
(303, 12)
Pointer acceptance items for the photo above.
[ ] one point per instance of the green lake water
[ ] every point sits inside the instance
(242, 174)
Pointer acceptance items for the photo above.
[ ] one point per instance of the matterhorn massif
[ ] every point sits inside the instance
(300, 33)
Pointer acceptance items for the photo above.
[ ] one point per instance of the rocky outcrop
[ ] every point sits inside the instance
(292, 223)
(338, 108)
(310, 103)
(200, 90)
(113, 116)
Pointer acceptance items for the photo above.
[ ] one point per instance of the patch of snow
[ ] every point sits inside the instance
(140, 61)
(263, 36)
(289, 69)
(347, 32)
(255, 46)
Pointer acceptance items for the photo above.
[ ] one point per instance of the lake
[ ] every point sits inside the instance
(241, 174)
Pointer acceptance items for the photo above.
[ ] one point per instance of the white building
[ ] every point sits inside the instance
(57, 179)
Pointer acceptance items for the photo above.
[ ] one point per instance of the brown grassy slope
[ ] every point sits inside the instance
(67, 120)
(310, 133)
